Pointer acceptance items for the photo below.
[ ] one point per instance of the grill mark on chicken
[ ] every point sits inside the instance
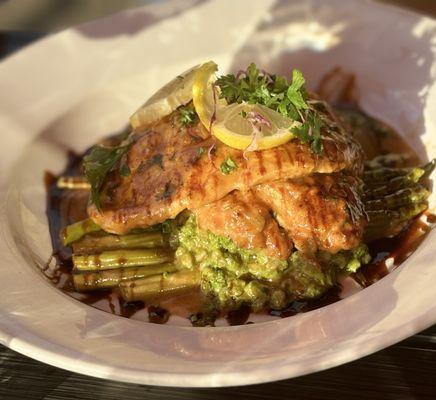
(196, 187)
(288, 155)
(247, 173)
(320, 209)
(262, 170)
(311, 214)
(310, 245)
(277, 160)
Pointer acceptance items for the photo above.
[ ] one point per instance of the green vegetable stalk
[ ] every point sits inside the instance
(76, 231)
(159, 285)
(93, 244)
(393, 196)
(121, 259)
(88, 281)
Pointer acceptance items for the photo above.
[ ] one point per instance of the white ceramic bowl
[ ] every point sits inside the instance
(75, 87)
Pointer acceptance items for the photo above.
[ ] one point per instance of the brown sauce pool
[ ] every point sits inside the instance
(67, 206)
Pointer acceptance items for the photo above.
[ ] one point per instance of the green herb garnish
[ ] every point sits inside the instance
(124, 170)
(227, 166)
(200, 151)
(188, 115)
(98, 163)
(310, 132)
(288, 98)
(157, 159)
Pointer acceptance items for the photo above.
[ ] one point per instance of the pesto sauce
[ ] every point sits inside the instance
(235, 276)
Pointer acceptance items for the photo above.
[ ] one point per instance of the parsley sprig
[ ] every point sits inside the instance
(228, 166)
(98, 163)
(274, 91)
(187, 115)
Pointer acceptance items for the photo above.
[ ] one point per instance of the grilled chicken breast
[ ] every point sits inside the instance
(173, 168)
(318, 212)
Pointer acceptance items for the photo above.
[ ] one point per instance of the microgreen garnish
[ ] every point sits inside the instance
(98, 163)
(188, 116)
(227, 166)
(288, 98)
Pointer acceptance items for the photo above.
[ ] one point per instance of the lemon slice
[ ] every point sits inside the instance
(171, 96)
(241, 126)
(203, 96)
(252, 127)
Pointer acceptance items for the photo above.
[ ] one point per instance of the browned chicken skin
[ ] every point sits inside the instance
(246, 220)
(175, 168)
(319, 212)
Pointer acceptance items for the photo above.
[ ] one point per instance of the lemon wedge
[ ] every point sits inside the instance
(203, 95)
(252, 127)
(242, 126)
(167, 99)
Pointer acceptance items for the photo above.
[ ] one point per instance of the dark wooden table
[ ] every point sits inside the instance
(406, 370)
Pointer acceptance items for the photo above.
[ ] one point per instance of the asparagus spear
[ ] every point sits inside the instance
(158, 285)
(402, 197)
(74, 232)
(381, 216)
(111, 278)
(403, 213)
(393, 197)
(394, 184)
(429, 167)
(93, 244)
(380, 176)
(388, 223)
(73, 183)
(121, 258)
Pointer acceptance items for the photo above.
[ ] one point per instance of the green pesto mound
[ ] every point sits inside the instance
(235, 276)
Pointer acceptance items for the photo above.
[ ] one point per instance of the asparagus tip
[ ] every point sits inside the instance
(429, 167)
